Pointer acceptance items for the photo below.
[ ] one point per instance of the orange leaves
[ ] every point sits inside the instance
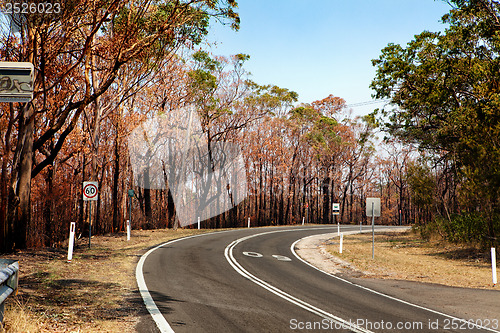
(329, 106)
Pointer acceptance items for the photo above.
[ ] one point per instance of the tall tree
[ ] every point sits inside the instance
(68, 50)
(447, 92)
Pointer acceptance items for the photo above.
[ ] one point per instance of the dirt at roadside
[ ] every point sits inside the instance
(96, 292)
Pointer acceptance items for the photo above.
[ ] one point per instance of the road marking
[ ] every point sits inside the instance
(160, 321)
(153, 310)
(292, 248)
(228, 253)
(281, 258)
(253, 254)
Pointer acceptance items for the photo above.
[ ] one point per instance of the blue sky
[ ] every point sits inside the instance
(323, 47)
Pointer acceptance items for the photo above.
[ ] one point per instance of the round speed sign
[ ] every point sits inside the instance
(89, 190)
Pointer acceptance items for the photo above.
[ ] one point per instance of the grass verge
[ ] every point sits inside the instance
(406, 256)
(96, 292)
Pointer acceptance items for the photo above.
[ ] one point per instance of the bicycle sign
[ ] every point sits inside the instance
(90, 190)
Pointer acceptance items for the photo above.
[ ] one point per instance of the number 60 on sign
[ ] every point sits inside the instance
(90, 190)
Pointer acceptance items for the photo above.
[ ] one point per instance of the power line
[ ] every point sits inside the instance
(376, 101)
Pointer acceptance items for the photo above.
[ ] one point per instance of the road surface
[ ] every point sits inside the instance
(250, 280)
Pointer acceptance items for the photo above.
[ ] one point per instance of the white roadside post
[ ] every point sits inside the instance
(303, 220)
(341, 241)
(372, 210)
(128, 230)
(198, 223)
(494, 266)
(71, 240)
(249, 222)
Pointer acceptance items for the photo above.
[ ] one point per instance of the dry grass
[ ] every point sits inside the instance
(96, 292)
(406, 256)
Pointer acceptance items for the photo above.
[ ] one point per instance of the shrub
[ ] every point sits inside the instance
(466, 228)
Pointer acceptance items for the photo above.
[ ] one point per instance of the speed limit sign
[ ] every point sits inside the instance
(90, 191)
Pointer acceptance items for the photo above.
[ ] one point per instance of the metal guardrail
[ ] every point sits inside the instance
(9, 280)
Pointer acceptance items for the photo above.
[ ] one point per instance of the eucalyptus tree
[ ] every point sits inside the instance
(78, 53)
(445, 92)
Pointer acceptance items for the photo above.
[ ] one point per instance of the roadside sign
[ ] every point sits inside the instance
(376, 207)
(131, 193)
(336, 208)
(90, 190)
(16, 81)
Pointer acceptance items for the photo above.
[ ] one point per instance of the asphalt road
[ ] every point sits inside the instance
(251, 281)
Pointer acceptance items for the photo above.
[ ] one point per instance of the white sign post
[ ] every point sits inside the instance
(198, 223)
(373, 209)
(71, 240)
(90, 193)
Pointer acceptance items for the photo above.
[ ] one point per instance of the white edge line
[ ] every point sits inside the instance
(153, 310)
(292, 248)
(228, 253)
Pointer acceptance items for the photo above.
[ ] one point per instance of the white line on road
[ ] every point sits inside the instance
(228, 253)
(164, 326)
(151, 306)
(292, 248)
(160, 321)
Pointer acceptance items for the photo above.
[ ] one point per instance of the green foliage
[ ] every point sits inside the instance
(422, 185)
(322, 131)
(371, 119)
(303, 114)
(203, 60)
(202, 80)
(271, 98)
(160, 22)
(468, 228)
(445, 91)
(241, 58)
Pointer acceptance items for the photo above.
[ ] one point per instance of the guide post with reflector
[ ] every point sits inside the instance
(71, 240)
(341, 242)
(494, 266)
(128, 230)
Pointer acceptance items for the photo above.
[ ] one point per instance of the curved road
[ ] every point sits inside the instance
(250, 280)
